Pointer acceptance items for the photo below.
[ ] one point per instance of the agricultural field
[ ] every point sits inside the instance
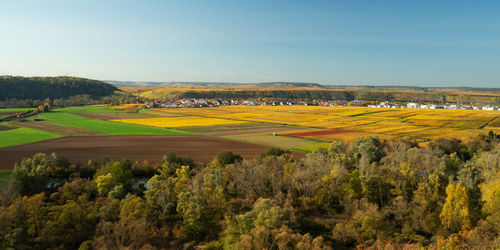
(17, 136)
(348, 123)
(98, 130)
(68, 122)
(176, 122)
(312, 147)
(107, 127)
(269, 139)
(149, 148)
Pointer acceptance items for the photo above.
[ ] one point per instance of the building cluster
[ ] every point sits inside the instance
(204, 102)
(413, 105)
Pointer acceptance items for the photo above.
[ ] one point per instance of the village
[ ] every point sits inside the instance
(203, 102)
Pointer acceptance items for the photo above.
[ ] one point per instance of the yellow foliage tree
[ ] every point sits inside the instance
(455, 213)
(491, 198)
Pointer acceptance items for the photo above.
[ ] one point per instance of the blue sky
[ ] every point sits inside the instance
(425, 43)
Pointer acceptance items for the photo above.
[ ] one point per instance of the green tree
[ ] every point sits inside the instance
(227, 157)
(70, 224)
(114, 178)
(264, 214)
(203, 204)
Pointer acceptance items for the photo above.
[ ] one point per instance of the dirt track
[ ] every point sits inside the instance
(136, 148)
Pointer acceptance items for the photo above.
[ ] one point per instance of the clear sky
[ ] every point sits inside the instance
(426, 43)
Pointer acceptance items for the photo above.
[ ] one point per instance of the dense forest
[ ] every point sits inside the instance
(21, 92)
(39, 88)
(369, 193)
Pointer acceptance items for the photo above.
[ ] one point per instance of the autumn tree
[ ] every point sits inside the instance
(455, 213)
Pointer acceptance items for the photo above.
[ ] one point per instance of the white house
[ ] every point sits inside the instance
(412, 105)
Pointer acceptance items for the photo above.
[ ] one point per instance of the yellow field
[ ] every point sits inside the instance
(360, 121)
(184, 121)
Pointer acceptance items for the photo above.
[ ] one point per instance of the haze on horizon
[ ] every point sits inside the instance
(422, 43)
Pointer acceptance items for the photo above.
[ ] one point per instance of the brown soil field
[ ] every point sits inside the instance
(111, 116)
(8, 113)
(79, 149)
(54, 128)
(5, 128)
(249, 131)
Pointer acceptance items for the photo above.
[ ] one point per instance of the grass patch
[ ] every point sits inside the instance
(5, 174)
(20, 136)
(107, 127)
(4, 177)
(312, 147)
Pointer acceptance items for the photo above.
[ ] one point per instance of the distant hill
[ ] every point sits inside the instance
(217, 84)
(284, 85)
(288, 85)
(459, 96)
(412, 88)
(39, 88)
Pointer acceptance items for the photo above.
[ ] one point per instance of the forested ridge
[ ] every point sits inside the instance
(367, 194)
(39, 88)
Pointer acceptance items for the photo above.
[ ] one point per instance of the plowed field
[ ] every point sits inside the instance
(80, 149)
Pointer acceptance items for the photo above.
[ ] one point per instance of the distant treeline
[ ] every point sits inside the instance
(77, 100)
(280, 94)
(413, 88)
(39, 88)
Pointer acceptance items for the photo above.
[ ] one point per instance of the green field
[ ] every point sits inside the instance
(4, 174)
(20, 136)
(15, 109)
(89, 109)
(112, 128)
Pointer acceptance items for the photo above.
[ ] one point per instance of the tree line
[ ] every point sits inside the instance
(366, 194)
(17, 91)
